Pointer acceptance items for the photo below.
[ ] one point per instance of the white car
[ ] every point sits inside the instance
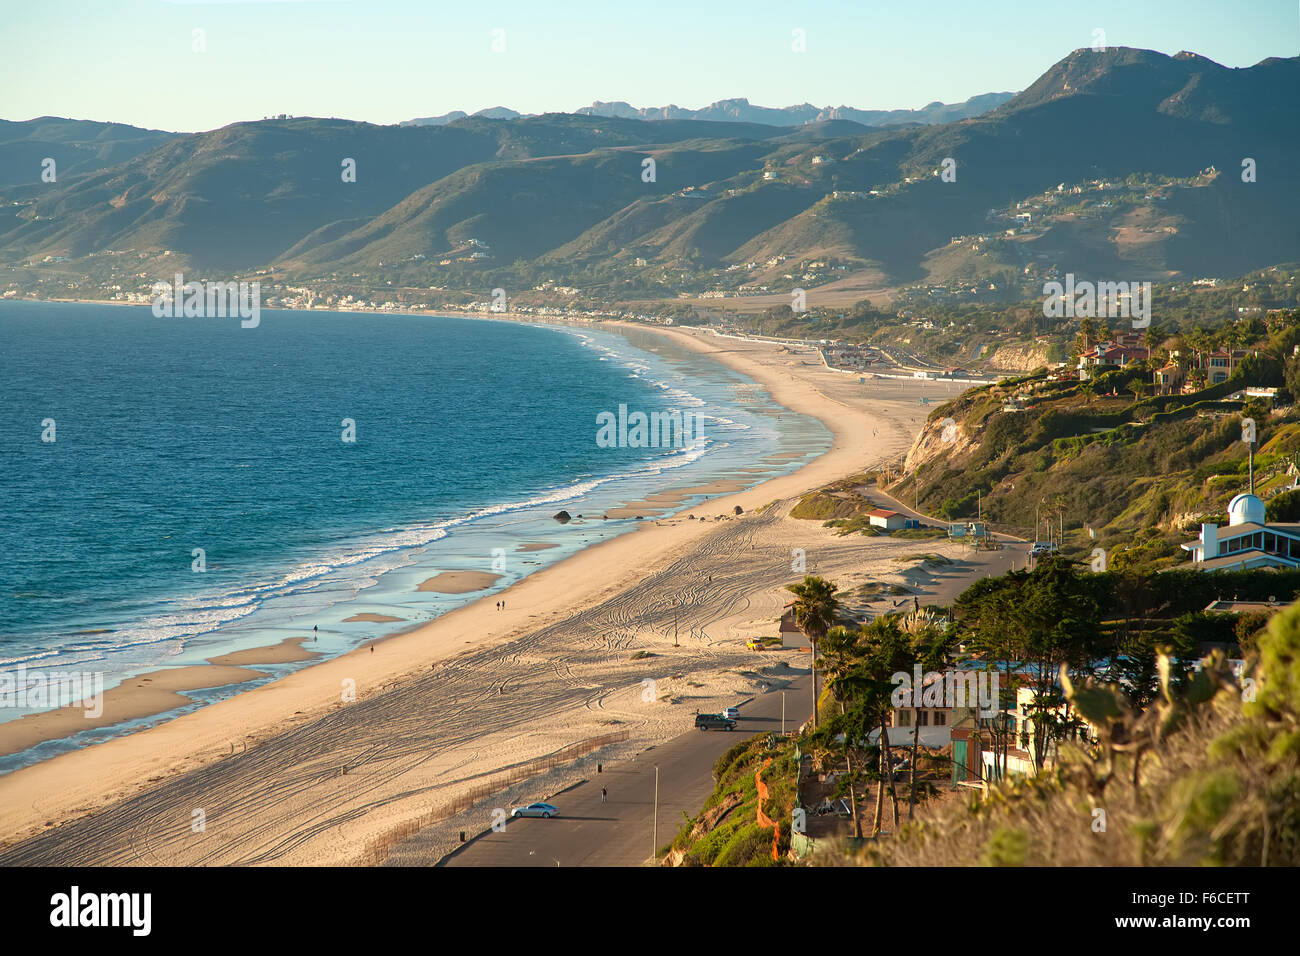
(546, 810)
(732, 713)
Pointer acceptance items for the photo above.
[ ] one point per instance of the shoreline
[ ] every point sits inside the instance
(74, 784)
(131, 700)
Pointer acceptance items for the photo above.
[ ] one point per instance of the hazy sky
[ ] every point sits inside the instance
(133, 61)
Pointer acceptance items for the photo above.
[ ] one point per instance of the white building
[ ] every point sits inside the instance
(1247, 542)
(889, 520)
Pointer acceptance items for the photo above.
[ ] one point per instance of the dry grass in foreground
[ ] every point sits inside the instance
(1209, 775)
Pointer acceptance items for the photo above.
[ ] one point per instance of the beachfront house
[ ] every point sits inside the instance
(983, 746)
(931, 725)
(792, 635)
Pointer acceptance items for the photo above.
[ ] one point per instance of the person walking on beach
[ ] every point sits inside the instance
(603, 794)
(315, 632)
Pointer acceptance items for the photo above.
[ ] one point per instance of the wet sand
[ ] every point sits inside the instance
(459, 582)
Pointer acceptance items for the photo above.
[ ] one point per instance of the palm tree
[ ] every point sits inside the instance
(815, 609)
(1087, 332)
(1153, 339)
(931, 641)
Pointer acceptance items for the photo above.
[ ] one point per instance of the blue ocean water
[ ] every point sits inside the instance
(172, 435)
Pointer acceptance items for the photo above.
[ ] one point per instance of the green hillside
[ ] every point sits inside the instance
(561, 197)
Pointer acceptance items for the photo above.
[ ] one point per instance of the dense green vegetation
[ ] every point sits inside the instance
(1204, 774)
(726, 832)
(1105, 464)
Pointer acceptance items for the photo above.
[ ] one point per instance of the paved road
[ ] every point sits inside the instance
(975, 564)
(620, 832)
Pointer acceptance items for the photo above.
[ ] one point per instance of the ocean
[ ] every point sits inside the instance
(200, 494)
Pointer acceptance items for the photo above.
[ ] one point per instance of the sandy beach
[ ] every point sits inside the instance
(325, 765)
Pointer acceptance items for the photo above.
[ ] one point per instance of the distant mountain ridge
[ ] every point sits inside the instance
(740, 110)
(1114, 164)
(82, 146)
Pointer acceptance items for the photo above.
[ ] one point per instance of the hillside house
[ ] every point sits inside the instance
(1220, 365)
(1107, 356)
(1248, 541)
(1169, 379)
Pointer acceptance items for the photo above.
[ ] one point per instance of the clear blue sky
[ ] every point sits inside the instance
(387, 60)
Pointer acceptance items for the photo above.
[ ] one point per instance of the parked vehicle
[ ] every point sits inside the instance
(546, 810)
(714, 722)
(732, 713)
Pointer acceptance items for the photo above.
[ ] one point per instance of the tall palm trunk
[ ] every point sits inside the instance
(880, 785)
(889, 772)
(853, 794)
(814, 683)
(848, 769)
(916, 746)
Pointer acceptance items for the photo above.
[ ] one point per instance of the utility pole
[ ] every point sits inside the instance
(654, 839)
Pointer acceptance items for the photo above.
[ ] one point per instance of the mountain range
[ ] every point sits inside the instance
(742, 111)
(1125, 164)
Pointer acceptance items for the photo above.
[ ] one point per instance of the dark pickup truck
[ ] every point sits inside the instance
(714, 722)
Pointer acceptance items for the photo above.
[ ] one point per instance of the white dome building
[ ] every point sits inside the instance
(1247, 542)
(1246, 509)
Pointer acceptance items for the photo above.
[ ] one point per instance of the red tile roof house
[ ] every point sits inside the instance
(1108, 355)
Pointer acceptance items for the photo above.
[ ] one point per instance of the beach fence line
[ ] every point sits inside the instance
(377, 852)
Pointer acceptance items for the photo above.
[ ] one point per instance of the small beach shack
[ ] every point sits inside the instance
(889, 520)
(792, 635)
